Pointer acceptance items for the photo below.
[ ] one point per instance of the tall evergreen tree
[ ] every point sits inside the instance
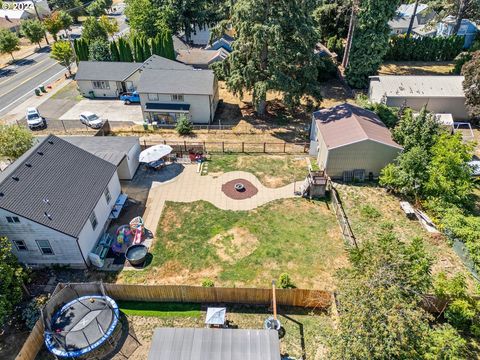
(114, 53)
(81, 49)
(273, 50)
(370, 40)
(167, 45)
(125, 51)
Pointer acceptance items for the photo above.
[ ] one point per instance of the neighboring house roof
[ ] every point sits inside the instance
(416, 86)
(346, 124)
(399, 22)
(55, 184)
(105, 70)
(158, 62)
(201, 57)
(214, 344)
(224, 42)
(408, 9)
(9, 24)
(109, 148)
(425, 30)
(199, 82)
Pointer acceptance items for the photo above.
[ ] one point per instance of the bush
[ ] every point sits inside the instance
(184, 126)
(388, 115)
(14, 141)
(31, 313)
(460, 60)
(208, 283)
(439, 48)
(327, 70)
(285, 282)
(460, 314)
(368, 211)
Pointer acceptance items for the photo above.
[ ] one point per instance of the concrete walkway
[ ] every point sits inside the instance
(190, 186)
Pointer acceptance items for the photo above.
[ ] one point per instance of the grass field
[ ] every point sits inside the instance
(245, 248)
(416, 68)
(271, 170)
(157, 309)
(373, 212)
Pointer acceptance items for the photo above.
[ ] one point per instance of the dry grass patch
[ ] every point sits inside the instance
(416, 68)
(234, 244)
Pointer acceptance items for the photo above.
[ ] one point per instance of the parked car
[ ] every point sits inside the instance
(130, 98)
(91, 120)
(34, 120)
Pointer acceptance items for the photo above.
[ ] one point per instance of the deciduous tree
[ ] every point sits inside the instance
(14, 141)
(53, 24)
(63, 53)
(93, 30)
(33, 30)
(110, 25)
(8, 42)
(99, 50)
(143, 17)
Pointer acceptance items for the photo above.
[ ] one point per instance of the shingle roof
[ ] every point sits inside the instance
(58, 179)
(347, 124)
(198, 82)
(214, 344)
(416, 86)
(161, 63)
(201, 57)
(105, 70)
(110, 148)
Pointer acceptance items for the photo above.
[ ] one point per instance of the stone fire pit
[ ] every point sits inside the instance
(239, 189)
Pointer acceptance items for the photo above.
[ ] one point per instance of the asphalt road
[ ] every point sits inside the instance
(18, 81)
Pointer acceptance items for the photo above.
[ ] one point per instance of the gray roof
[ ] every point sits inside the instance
(58, 179)
(214, 344)
(110, 148)
(105, 70)
(200, 56)
(198, 82)
(161, 63)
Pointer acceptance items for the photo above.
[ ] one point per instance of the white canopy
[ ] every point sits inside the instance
(155, 153)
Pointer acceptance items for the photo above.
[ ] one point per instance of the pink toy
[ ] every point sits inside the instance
(123, 239)
(137, 227)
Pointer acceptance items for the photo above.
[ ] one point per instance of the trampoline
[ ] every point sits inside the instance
(81, 325)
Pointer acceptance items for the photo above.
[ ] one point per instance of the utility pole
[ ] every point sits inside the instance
(38, 17)
(351, 29)
(412, 19)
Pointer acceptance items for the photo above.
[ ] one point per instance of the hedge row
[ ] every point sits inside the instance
(424, 49)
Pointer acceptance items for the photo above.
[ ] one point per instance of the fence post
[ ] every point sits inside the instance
(164, 142)
(63, 124)
(264, 147)
(144, 143)
(223, 146)
(243, 146)
(185, 145)
(284, 147)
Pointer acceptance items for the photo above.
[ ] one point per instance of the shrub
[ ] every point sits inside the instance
(285, 282)
(368, 211)
(460, 314)
(184, 126)
(327, 70)
(388, 115)
(31, 313)
(208, 283)
(460, 60)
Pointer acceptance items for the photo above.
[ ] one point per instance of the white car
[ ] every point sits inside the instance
(91, 120)
(34, 120)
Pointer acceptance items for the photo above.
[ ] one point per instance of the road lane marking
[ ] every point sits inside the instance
(20, 73)
(31, 91)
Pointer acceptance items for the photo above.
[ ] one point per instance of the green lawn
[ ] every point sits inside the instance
(157, 309)
(68, 92)
(245, 248)
(271, 170)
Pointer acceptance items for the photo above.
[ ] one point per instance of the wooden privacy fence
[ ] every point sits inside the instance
(232, 147)
(347, 232)
(183, 293)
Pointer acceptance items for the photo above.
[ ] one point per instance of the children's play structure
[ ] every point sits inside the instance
(127, 235)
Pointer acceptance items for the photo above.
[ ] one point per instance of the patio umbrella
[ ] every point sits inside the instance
(155, 153)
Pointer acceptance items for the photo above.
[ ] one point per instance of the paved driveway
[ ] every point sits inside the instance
(113, 110)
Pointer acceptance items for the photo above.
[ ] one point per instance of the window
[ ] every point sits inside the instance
(153, 97)
(20, 244)
(177, 97)
(93, 221)
(101, 84)
(108, 197)
(45, 248)
(13, 219)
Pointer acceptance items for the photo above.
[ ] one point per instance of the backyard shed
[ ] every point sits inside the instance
(121, 151)
(440, 94)
(347, 138)
(214, 344)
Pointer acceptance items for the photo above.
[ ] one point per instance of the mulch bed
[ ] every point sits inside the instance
(229, 189)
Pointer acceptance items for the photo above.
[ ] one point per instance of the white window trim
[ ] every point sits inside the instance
(14, 219)
(108, 196)
(153, 97)
(92, 217)
(17, 246)
(49, 246)
(101, 84)
(177, 97)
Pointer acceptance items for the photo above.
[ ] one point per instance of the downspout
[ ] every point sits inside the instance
(79, 249)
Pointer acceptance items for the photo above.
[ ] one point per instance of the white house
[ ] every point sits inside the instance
(347, 139)
(55, 203)
(440, 94)
(400, 23)
(121, 151)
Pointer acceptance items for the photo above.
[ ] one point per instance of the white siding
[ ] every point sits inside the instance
(201, 36)
(65, 248)
(129, 165)
(445, 105)
(88, 236)
(199, 105)
(86, 86)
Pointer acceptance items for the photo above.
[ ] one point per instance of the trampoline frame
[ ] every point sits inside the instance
(52, 345)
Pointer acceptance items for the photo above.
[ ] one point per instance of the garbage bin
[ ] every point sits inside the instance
(91, 94)
(37, 92)
(145, 125)
(42, 88)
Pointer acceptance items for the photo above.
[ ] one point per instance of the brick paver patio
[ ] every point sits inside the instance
(190, 186)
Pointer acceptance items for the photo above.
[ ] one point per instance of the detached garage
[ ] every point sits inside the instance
(351, 142)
